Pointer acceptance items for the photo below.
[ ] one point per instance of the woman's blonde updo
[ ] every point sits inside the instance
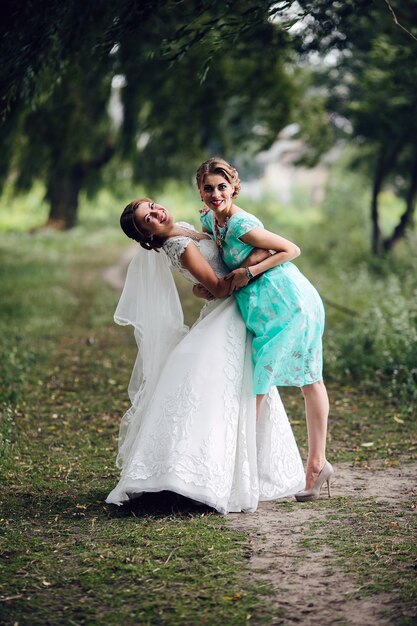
(216, 165)
(136, 232)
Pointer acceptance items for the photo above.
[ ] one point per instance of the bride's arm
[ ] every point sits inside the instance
(259, 237)
(196, 264)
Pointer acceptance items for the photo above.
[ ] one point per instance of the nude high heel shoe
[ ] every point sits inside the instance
(324, 477)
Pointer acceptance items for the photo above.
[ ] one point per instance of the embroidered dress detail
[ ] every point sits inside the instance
(175, 246)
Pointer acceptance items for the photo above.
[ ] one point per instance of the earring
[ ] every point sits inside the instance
(151, 237)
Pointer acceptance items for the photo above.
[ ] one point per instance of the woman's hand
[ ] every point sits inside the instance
(238, 279)
(201, 292)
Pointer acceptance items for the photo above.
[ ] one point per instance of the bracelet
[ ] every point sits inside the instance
(249, 273)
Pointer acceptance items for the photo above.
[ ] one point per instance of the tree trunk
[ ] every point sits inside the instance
(407, 217)
(65, 185)
(385, 163)
(376, 230)
(62, 193)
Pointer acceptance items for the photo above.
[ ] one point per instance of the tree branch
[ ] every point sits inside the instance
(394, 17)
(102, 159)
(341, 308)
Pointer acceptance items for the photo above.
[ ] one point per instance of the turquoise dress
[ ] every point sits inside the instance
(281, 308)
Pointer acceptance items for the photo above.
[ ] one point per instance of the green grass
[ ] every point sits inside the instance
(82, 562)
(363, 426)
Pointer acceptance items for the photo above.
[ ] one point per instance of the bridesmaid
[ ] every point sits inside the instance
(281, 308)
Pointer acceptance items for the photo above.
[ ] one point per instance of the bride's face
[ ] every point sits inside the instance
(153, 218)
(217, 193)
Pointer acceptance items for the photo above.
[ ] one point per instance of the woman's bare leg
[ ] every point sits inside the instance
(259, 400)
(317, 411)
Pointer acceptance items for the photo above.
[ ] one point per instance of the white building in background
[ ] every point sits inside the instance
(281, 176)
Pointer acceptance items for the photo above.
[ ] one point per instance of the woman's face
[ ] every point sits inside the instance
(217, 193)
(153, 218)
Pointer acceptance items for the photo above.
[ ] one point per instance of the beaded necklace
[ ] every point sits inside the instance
(220, 232)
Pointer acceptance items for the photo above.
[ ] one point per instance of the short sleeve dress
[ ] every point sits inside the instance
(281, 308)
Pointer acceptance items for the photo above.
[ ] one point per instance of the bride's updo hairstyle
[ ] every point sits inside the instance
(216, 165)
(131, 228)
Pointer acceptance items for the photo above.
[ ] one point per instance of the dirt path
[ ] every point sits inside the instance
(308, 587)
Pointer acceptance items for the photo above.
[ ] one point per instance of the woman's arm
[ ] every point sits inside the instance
(196, 264)
(259, 237)
(285, 250)
(256, 256)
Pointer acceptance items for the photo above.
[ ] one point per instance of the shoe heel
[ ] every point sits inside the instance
(328, 486)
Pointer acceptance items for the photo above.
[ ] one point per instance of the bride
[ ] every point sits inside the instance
(192, 427)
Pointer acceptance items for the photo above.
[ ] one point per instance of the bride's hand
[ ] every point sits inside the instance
(238, 279)
(202, 292)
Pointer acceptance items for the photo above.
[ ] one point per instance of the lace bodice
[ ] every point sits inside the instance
(175, 247)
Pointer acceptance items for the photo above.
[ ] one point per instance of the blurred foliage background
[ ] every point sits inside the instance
(102, 102)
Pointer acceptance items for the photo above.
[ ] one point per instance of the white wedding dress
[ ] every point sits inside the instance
(192, 425)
